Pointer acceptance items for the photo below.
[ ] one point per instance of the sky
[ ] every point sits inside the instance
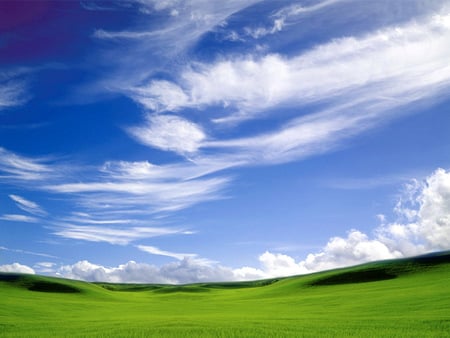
(192, 141)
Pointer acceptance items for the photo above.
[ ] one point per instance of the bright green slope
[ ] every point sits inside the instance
(401, 298)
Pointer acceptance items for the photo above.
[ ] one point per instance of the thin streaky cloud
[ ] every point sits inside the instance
(148, 197)
(81, 220)
(155, 251)
(19, 218)
(20, 168)
(27, 252)
(285, 16)
(28, 206)
(119, 236)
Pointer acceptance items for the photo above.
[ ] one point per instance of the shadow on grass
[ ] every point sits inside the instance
(33, 283)
(350, 277)
(43, 286)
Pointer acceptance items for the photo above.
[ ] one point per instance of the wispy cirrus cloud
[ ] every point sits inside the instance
(20, 168)
(285, 16)
(20, 251)
(111, 206)
(114, 235)
(155, 251)
(144, 50)
(148, 197)
(28, 206)
(144, 170)
(384, 66)
(19, 218)
(145, 6)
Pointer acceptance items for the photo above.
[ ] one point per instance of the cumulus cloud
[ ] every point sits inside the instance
(16, 267)
(184, 271)
(433, 218)
(427, 231)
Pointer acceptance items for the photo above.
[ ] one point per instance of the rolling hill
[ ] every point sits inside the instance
(396, 298)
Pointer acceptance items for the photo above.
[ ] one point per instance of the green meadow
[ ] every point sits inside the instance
(397, 298)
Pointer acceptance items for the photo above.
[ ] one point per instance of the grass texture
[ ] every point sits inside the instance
(397, 298)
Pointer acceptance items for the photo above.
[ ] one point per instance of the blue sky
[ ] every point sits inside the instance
(181, 141)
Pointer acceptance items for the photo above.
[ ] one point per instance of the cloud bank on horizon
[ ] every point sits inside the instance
(166, 109)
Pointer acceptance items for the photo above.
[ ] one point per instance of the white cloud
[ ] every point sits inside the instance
(180, 272)
(148, 197)
(116, 190)
(102, 34)
(388, 66)
(433, 222)
(16, 167)
(120, 236)
(155, 251)
(301, 137)
(28, 206)
(186, 23)
(45, 264)
(45, 267)
(296, 9)
(159, 95)
(196, 167)
(169, 132)
(256, 33)
(356, 248)
(430, 231)
(283, 17)
(363, 81)
(27, 252)
(81, 218)
(160, 5)
(18, 218)
(17, 268)
(12, 93)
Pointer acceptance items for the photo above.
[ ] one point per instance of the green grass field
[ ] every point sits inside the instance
(400, 298)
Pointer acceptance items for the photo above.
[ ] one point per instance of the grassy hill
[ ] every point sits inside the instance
(397, 298)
